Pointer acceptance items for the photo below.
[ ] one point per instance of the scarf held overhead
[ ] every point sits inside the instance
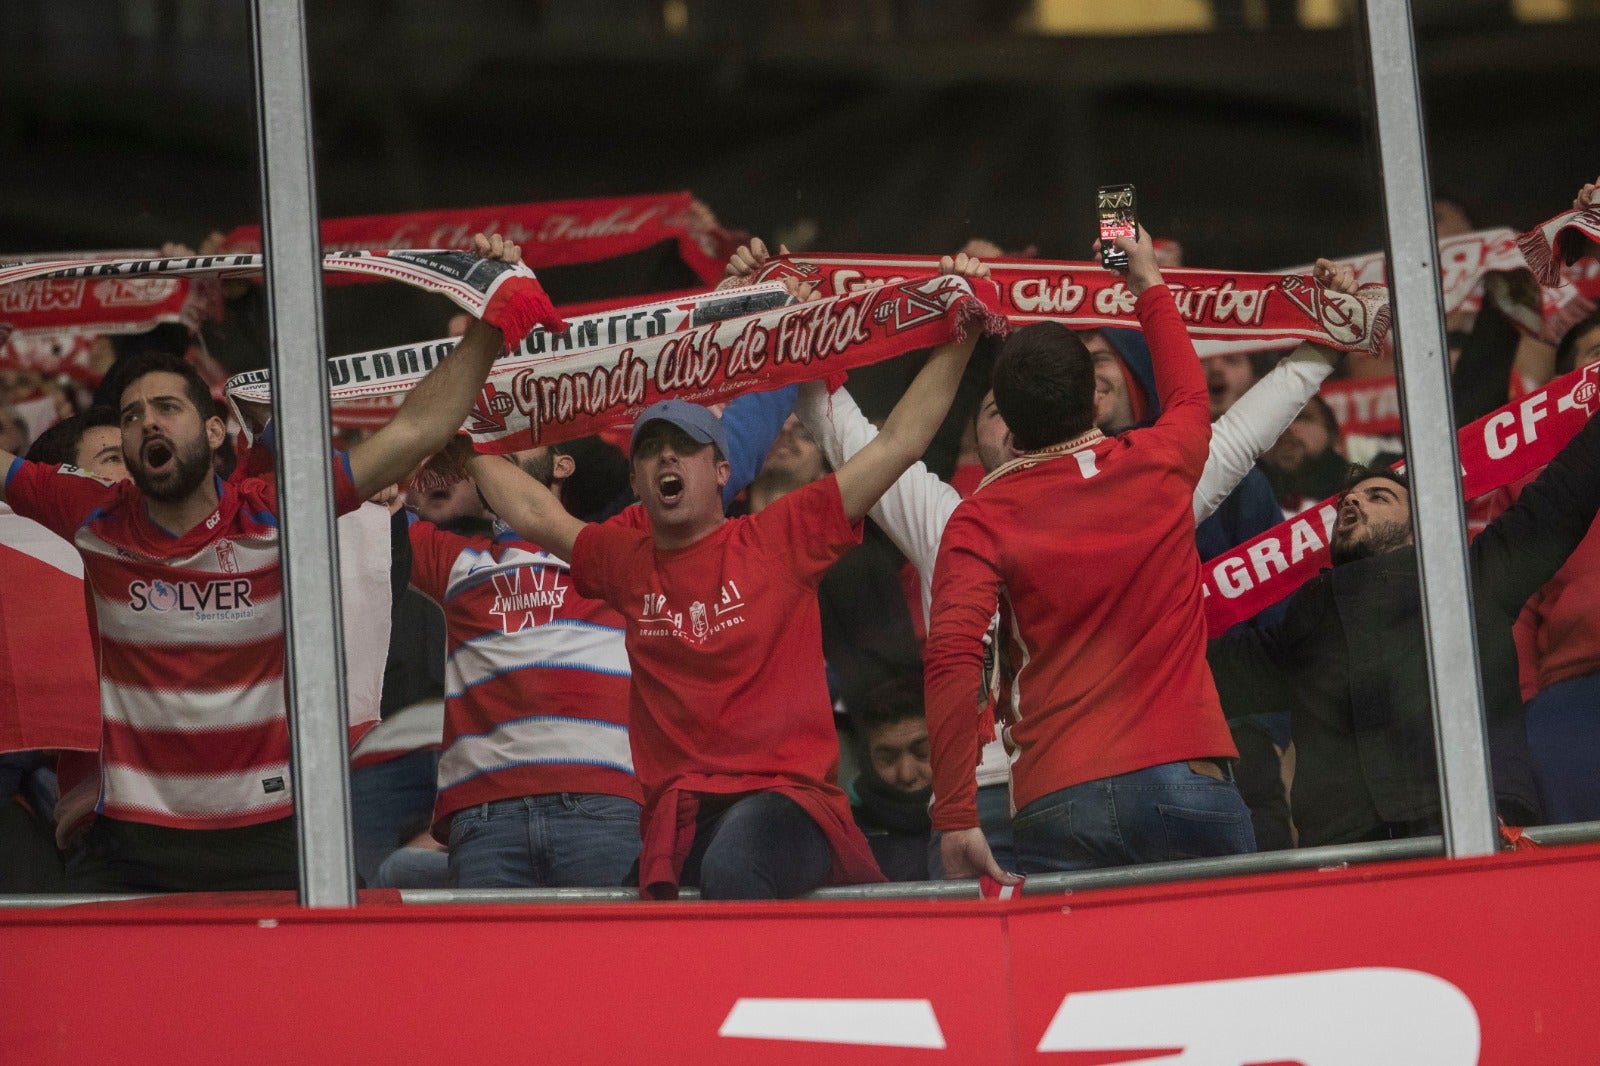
(1270, 309)
(1496, 450)
(530, 402)
(504, 295)
(366, 388)
(556, 233)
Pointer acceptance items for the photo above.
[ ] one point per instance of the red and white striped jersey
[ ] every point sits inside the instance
(536, 676)
(188, 636)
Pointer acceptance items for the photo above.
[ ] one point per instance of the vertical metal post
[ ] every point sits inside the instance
(313, 637)
(1466, 788)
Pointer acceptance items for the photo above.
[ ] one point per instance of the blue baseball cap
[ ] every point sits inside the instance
(696, 421)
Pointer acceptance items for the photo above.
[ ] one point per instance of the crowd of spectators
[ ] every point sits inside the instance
(764, 648)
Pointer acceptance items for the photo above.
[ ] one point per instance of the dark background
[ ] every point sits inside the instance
(896, 127)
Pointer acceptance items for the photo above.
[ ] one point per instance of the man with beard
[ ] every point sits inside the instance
(184, 573)
(1349, 660)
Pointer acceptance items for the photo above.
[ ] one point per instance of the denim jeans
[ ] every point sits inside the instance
(762, 846)
(1152, 815)
(559, 840)
(1564, 735)
(390, 802)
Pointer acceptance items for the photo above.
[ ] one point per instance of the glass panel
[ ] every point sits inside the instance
(1512, 354)
(899, 129)
(128, 126)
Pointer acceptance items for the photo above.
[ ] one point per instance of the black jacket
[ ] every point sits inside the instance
(1350, 662)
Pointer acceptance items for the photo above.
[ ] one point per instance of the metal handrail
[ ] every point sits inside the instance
(1332, 857)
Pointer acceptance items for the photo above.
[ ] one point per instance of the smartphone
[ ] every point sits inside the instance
(1118, 218)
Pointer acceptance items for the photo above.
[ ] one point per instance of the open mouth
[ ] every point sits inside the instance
(670, 488)
(157, 454)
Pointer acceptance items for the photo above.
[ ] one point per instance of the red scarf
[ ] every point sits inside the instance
(366, 388)
(544, 400)
(1268, 309)
(506, 296)
(1497, 449)
(556, 233)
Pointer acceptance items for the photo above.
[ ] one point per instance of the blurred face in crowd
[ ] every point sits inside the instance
(1449, 220)
(442, 504)
(899, 753)
(993, 435)
(1586, 349)
(1228, 377)
(100, 453)
(1112, 407)
(13, 438)
(166, 444)
(537, 463)
(794, 455)
(1308, 437)
(679, 480)
(1374, 518)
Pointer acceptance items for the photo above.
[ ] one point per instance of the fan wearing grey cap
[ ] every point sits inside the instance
(730, 724)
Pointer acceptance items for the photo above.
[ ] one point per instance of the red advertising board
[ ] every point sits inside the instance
(1438, 962)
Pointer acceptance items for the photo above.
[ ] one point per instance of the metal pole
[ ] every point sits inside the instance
(1466, 788)
(313, 637)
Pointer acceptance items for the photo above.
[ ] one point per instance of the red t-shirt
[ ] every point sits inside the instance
(728, 689)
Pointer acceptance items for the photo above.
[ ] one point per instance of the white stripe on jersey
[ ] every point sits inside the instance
(246, 554)
(192, 710)
(191, 796)
(419, 725)
(545, 739)
(473, 567)
(163, 622)
(559, 644)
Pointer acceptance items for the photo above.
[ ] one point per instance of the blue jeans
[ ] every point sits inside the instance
(763, 846)
(559, 840)
(414, 868)
(1152, 815)
(1564, 735)
(390, 802)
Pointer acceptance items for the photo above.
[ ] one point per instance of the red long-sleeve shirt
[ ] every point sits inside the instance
(1092, 547)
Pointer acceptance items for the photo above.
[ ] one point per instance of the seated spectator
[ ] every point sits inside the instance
(896, 780)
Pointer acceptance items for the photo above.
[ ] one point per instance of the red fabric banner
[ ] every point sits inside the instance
(1497, 449)
(555, 233)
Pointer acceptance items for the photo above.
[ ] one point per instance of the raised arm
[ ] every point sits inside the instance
(914, 510)
(523, 503)
(910, 427)
(433, 411)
